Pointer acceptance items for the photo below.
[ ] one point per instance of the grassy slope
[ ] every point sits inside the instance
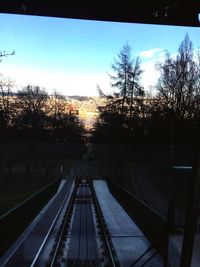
(143, 170)
(32, 167)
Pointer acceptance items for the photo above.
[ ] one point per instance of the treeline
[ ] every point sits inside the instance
(172, 113)
(32, 115)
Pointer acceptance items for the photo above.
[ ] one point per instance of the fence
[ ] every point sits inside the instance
(151, 223)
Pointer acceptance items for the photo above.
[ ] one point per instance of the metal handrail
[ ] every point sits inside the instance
(49, 232)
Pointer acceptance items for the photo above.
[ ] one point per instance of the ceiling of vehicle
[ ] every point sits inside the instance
(167, 12)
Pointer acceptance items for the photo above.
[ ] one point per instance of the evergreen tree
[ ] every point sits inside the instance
(123, 69)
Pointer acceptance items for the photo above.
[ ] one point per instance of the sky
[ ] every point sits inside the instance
(72, 56)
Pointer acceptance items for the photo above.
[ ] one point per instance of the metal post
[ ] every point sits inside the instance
(171, 207)
(170, 215)
(190, 227)
(192, 211)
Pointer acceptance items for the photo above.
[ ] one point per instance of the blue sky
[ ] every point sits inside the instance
(73, 56)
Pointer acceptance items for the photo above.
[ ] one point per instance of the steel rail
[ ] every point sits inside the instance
(80, 248)
(65, 223)
(69, 208)
(50, 230)
(100, 216)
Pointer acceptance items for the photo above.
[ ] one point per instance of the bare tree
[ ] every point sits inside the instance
(31, 118)
(196, 107)
(178, 83)
(58, 104)
(100, 92)
(32, 98)
(6, 101)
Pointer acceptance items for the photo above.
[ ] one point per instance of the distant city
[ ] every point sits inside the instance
(86, 108)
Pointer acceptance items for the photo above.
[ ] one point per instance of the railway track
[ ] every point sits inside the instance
(78, 236)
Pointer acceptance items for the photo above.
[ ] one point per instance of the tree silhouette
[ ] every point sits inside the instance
(6, 105)
(178, 84)
(123, 78)
(58, 104)
(5, 100)
(65, 128)
(32, 119)
(32, 98)
(136, 91)
(178, 91)
(123, 108)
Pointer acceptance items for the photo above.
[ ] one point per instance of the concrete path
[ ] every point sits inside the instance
(127, 238)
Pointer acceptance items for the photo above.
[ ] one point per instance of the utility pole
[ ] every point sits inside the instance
(4, 54)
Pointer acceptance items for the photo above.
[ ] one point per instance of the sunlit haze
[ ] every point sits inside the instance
(73, 56)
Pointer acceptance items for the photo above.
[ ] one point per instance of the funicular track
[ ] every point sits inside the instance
(82, 238)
